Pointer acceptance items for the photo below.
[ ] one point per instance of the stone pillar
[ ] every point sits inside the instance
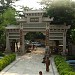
(8, 49)
(47, 34)
(21, 40)
(64, 42)
(47, 40)
(23, 47)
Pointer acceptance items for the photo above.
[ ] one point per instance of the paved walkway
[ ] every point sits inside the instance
(30, 64)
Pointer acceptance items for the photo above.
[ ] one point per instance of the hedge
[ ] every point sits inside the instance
(6, 60)
(62, 66)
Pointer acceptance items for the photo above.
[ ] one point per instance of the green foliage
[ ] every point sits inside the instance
(71, 73)
(62, 11)
(63, 67)
(6, 2)
(7, 60)
(9, 17)
(6, 18)
(34, 35)
(2, 35)
(1, 20)
(72, 35)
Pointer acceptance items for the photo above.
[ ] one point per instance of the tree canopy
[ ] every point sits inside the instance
(6, 2)
(34, 35)
(7, 17)
(63, 11)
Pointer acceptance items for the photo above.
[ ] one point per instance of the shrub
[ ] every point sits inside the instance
(71, 73)
(63, 67)
(6, 60)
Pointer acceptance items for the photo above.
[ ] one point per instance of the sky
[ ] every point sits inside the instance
(30, 3)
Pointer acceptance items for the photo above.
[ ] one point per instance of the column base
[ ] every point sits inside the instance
(63, 53)
(7, 51)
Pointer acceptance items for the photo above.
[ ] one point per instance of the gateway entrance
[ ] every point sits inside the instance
(34, 21)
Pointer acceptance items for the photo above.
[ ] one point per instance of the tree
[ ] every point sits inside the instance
(2, 35)
(9, 17)
(46, 3)
(34, 35)
(63, 11)
(6, 18)
(7, 2)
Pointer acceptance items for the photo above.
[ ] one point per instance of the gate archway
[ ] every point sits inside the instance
(34, 21)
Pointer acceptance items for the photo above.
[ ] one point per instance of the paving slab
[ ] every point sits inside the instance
(30, 64)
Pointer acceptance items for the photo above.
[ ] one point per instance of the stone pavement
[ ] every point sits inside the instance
(30, 64)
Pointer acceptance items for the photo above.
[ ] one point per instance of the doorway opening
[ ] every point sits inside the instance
(14, 45)
(34, 40)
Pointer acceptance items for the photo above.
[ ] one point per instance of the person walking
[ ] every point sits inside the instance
(47, 64)
(40, 72)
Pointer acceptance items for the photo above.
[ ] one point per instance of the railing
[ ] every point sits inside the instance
(55, 38)
(14, 36)
(14, 33)
(59, 27)
(56, 34)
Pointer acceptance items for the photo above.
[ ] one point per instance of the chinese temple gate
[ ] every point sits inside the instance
(34, 21)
